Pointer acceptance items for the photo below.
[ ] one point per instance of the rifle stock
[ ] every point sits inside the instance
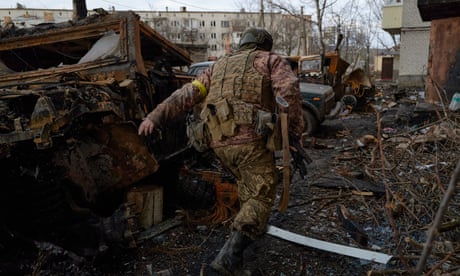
(283, 107)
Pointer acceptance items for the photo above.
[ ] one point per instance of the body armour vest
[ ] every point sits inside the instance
(236, 92)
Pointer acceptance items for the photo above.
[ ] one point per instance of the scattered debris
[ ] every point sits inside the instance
(160, 228)
(349, 183)
(352, 227)
(328, 246)
(67, 134)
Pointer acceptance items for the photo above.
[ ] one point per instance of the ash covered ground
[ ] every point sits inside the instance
(390, 201)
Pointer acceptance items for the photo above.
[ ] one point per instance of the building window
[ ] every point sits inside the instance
(224, 24)
(213, 36)
(213, 47)
(391, 2)
(213, 23)
(202, 23)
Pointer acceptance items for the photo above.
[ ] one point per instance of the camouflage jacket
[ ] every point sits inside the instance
(284, 83)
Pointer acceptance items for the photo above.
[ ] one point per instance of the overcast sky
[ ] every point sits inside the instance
(161, 5)
(202, 5)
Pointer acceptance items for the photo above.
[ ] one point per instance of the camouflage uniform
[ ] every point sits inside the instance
(244, 152)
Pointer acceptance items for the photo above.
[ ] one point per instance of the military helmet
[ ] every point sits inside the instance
(259, 36)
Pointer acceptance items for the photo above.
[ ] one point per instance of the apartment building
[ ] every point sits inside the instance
(205, 35)
(25, 18)
(402, 18)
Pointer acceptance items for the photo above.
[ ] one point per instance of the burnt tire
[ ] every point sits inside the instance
(350, 101)
(310, 123)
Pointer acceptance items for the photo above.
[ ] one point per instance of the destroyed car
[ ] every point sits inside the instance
(351, 85)
(71, 97)
(318, 102)
(197, 68)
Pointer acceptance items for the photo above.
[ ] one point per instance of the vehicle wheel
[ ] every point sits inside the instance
(310, 122)
(350, 101)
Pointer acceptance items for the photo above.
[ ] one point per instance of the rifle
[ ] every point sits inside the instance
(299, 157)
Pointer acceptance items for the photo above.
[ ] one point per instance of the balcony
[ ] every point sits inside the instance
(392, 16)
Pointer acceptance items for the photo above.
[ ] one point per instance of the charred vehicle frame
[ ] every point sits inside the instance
(71, 97)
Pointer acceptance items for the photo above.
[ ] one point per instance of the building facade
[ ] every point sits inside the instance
(415, 43)
(403, 18)
(25, 18)
(205, 35)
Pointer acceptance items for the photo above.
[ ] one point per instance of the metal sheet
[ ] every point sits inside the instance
(329, 246)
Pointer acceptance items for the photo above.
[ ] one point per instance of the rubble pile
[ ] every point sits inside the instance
(413, 159)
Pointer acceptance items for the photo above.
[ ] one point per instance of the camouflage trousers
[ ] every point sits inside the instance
(254, 167)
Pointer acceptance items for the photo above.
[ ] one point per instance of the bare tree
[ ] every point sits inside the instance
(321, 6)
(261, 18)
(360, 23)
(358, 20)
(248, 5)
(291, 32)
(287, 39)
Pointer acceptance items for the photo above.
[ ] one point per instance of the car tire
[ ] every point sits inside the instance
(310, 123)
(350, 101)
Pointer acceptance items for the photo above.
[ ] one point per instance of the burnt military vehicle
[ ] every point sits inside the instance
(71, 97)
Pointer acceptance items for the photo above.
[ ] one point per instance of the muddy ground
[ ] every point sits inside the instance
(344, 176)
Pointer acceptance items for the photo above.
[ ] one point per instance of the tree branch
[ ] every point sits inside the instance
(434, 229)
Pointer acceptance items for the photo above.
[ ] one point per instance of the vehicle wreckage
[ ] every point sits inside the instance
(71, 97)
(75, 172)
(352, 86)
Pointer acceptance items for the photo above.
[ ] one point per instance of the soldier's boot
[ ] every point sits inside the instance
(229, 261)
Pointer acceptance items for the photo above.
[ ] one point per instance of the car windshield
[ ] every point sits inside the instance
(311, 65)
(197, 68)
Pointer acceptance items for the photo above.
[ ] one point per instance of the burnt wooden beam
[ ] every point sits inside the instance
(340, 182)
(438, 9)
(79, 9)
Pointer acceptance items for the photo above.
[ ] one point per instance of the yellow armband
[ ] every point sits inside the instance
(201, 87)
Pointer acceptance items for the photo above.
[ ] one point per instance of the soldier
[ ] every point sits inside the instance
(230, 92)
